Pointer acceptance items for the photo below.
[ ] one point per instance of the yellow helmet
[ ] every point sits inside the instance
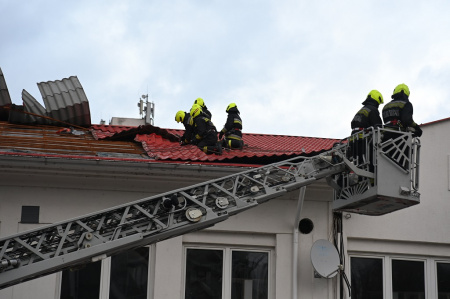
(199, 101)
(231, 106)
(401, 87)
(179, 117)
(196, 110)
(376, 95)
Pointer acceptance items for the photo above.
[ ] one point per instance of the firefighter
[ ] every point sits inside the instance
(199, 101)
(188, 122)
(398, 116)
(206, 134)
(232, 129)
(398, 113)
(368, 116)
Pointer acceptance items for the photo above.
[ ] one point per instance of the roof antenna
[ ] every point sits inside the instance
(146, 112)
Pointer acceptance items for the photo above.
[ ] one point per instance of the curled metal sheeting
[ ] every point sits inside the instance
(31, 105)
(5, 98)
(66, 100)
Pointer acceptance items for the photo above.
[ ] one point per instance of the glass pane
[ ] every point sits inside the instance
(408, 279)
(83, 283)
(250, 272)
(129, 274)
(367, 278)
(204, 270)
(30, 214)
(443, 277)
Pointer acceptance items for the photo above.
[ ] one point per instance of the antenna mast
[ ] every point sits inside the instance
(148, 109)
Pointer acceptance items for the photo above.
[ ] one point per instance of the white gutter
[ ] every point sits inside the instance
(301, 198)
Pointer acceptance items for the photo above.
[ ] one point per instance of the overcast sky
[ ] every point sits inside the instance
(298, 68)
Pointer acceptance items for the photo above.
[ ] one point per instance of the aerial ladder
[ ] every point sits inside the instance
(369, 175)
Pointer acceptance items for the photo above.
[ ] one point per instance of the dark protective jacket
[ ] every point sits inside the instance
(399, 112)
(367, 116)
(207, 112)
(189, 129)
(204, 128)
(233, 125)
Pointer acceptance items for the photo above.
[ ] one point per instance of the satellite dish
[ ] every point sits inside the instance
(325, 258)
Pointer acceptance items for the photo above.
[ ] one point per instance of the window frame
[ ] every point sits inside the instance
(434, 272)
(227, 266)
(429, 267)
(105, 276)
(383, 265)
(412, 259)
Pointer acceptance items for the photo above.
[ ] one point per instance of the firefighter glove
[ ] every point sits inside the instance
(418, 132)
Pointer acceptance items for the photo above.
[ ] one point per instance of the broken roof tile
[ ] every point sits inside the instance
(162, 144)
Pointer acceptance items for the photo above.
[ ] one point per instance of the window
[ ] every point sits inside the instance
(128, 277)
(83, 283)
(129, 274)
(367, 278)
(30, 214)
(226, 273)
(408, 279)
(204, 274)
(388, 277)
(443, 280)
(249, 275)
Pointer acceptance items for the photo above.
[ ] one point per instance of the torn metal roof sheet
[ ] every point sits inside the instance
(31, 105)
(5, 98)
(66, 100)
(65, 104)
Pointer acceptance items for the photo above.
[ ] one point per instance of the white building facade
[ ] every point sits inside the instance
(257, 254)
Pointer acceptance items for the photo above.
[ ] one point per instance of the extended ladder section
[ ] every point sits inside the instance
(95, 236)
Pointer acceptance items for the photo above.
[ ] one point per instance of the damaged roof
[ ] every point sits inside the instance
(147, 144)
(162, 144)
(63, 129)
(65, 103)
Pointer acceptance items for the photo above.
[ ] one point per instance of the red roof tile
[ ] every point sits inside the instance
(160, 144)
(103, 131)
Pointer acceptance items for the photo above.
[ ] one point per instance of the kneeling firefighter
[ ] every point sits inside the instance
(232, 129)
(206, 133)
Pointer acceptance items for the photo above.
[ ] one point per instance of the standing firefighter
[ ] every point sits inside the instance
(398, 116)
(206, 133)
(188, 122)
(368, 116)
(398, 113)
(201, 103)
(232, 129)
